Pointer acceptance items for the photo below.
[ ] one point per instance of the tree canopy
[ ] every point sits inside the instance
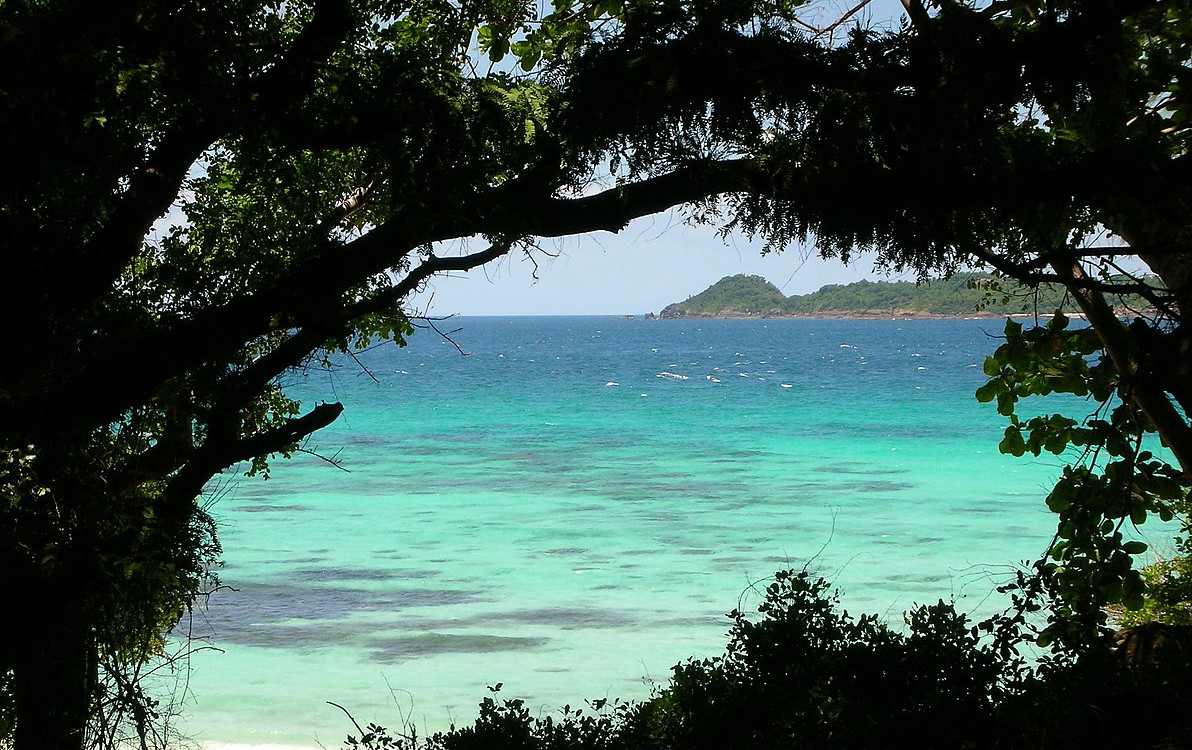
(319, 158)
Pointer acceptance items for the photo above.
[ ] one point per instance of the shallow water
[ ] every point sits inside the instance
(571, 508)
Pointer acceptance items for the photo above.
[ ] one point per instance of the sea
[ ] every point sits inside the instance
(566, 507)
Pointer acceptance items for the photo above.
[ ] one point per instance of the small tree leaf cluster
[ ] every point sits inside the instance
(1113, 483)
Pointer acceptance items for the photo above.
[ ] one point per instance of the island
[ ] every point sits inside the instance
(959, 295)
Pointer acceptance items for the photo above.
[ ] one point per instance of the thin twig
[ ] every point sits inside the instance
(348, 714)
(333, 459)
(430, 323)
(367, 371)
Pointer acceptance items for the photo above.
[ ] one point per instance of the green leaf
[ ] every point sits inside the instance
(1012, 443)
(1059, 500)
(1005, 403)
(987, 392)
(1138, 515)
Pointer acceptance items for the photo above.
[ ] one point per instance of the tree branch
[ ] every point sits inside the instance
(237, 389)
(154, 187)
(101, 385)
(1133, 365)
(217, 454)
(355, 201)
(916, 12)
(1023, 274)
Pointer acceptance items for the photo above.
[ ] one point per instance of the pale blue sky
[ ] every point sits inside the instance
(650, 264)
(653, 262)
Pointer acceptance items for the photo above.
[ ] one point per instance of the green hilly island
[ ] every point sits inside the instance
(963, 294)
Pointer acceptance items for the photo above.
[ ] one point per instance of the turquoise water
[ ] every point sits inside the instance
(571, 508)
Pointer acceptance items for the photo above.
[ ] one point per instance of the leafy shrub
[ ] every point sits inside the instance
(808, 675)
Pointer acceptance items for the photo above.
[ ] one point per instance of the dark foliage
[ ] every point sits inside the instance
(322, 156)
(807, 674)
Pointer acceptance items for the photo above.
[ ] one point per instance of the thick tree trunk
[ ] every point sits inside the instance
(53, 666)
(1134, 365)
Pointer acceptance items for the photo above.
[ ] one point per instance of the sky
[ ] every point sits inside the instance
(652, 263)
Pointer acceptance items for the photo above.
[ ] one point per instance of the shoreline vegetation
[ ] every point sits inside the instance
(896, 313)
(939, 682)
(960, 296)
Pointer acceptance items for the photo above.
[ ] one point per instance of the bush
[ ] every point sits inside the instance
(808, 675)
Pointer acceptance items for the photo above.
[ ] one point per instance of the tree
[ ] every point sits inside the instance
(322, 152)
(317, 152)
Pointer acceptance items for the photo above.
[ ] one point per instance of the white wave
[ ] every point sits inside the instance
(612, 383)
(672, 375)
